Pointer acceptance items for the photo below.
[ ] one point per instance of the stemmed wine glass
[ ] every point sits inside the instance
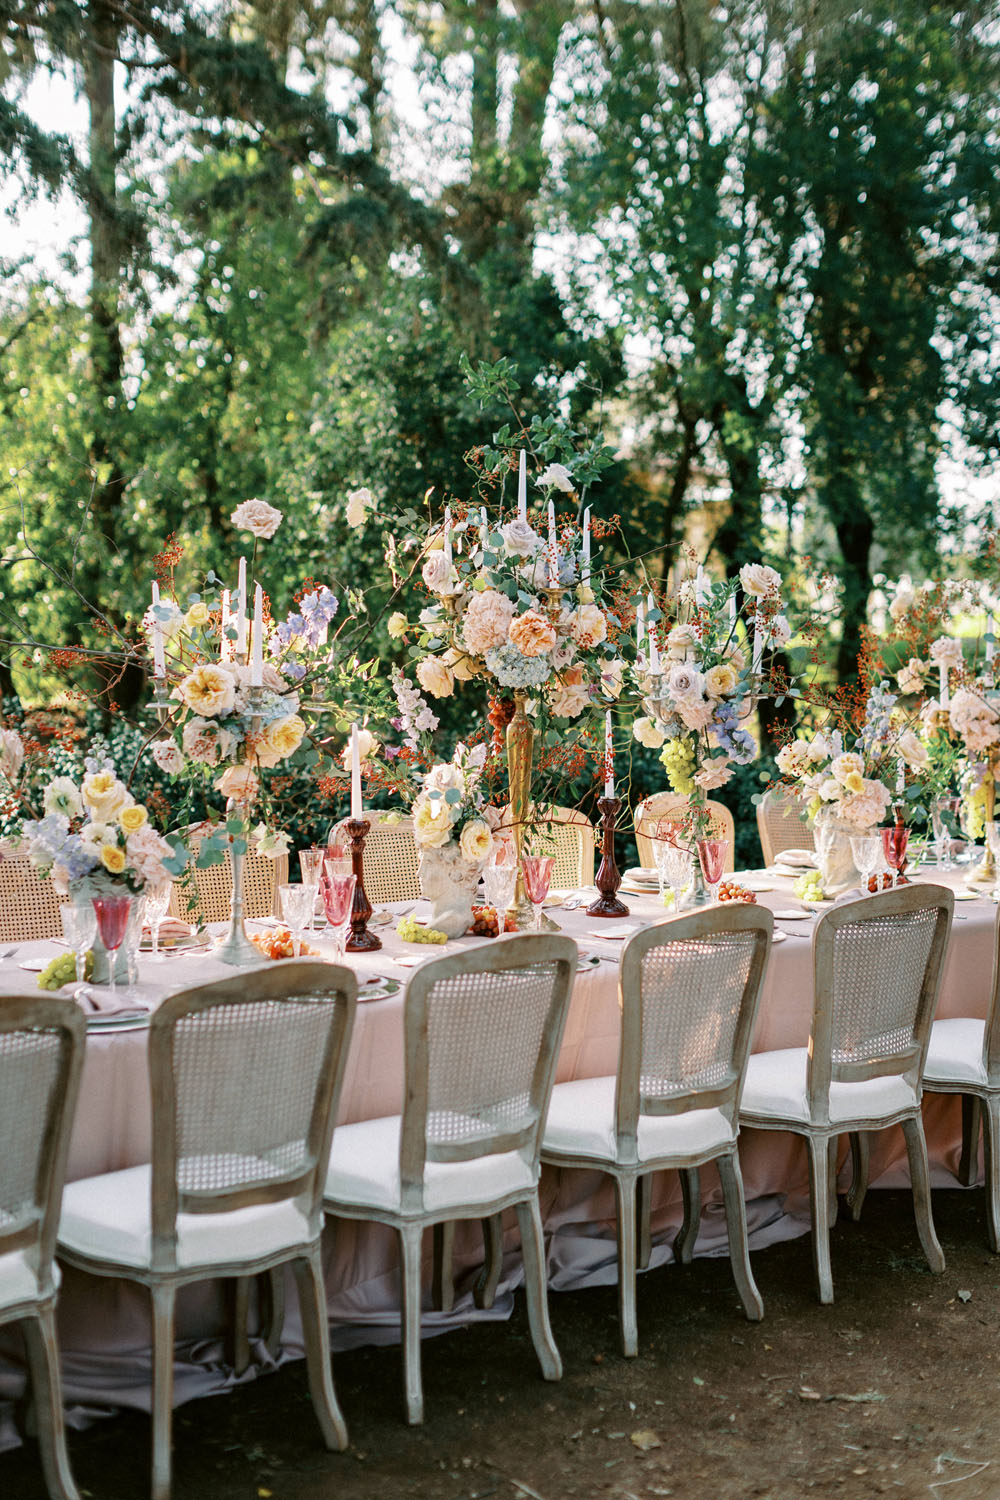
(894, 842)
(112, 920)
(157, 901)
(311, 865)
(499, 880)
(866, 851)
(677, 871)
(537, 876)
(338, 899)
(664, 832)
(712, 858)
(337, 859)
(944, 811)
(80, 929)
(296, 904)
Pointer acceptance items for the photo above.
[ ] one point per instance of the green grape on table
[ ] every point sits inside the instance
(809, 887)
(62, 970)
(415, 932)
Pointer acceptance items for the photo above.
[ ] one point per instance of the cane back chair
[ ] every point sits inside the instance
(41, 1056)
(782, 824)
(211, 888)
(482, 1037)
(245, 1075)
(29, 907)
(672, 807)
(877, 972)
(688, 990)
(391, 869)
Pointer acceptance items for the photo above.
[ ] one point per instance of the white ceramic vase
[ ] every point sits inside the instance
(449, 883)
(833, 854)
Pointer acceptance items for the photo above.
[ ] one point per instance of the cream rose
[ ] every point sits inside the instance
(238, 782)
(759, 580)
(397, 626)
(435, 677)
(359, 503)
(209, 690)
(781, 631)
(257, 517)
(680, 641)
(714, 773)
(439, 574)
(903, 601)
(460, 663)
(532, 633)
(612, 673)
(648, 733)
(912, 749)
(911, 677)
(588, 625)
(132, 818)
(11, 754)
(475, 842)
(199, 614)
(696, 713)
(104, 795)
(946, 652)
(685, 682)
(367, 745)
(568, 697)
(846, 765)
(520, 539)
(720, 681)
(206, 741)
(431, 823)
(558, 477)
(283, 737)
(167, 756)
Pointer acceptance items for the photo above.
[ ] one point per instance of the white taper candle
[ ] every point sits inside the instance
(609, 757)
(257, 659)
(522, 487)
(355, 774)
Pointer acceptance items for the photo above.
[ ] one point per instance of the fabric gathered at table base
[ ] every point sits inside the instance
(104, 1324)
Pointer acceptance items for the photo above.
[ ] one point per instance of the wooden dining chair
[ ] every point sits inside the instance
(671, 806)
(211, 888)
(482, 1035)
(391, 860)
(246, 1075)
(877, 972)
(688, 994)
(41, 1057)
(782, 824)
(29, 906)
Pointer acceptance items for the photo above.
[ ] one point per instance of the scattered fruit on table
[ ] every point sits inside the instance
(873, 882)
(62, 970)
(730, 891)
(809, 887)
(484, 922)
(281, 944)
(415, 932)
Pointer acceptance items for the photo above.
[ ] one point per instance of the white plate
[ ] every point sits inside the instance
(755, 882)
(35, 965)
(587, 961)
(98, 1022)
(378, 987)
(787, 914)
(778, 937)
(616, 934)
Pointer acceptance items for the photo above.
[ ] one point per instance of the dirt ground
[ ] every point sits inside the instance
(892, 1391)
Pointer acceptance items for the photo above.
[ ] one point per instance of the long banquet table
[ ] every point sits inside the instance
(104, 1324)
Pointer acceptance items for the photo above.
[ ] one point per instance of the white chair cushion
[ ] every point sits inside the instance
(955, 1053)
(775, 1089)
(108, 1217)
(18, 1282)
(364, 1172)
(581, 1122)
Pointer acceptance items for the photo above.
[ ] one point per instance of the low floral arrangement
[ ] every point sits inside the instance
(94, 836)
(450, 810)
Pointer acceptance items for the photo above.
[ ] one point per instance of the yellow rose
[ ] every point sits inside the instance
(720, 681)
(113, 859)
(198, 614)
(104, 795)
(476, 841)
(132, 818)
(431, 823)
(284, 736)
(209, 690)
(854, 782)
(397, 626)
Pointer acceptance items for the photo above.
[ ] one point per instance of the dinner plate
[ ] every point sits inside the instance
(587, 961)
(177, 942)
(34, 965)
(788, 914)
(97, 1022)
(378, 987)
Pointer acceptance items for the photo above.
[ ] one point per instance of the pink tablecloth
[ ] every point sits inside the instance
(104, 1325)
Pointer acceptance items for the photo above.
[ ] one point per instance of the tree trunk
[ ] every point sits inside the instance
(855, 531)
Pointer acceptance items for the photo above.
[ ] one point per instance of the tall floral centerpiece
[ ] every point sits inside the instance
(523, 609)
(94, 840)
(453, 830)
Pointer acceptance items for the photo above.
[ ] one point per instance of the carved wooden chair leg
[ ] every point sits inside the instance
(643, 1210)
(916, 1151)
(625, 1193)
(237, 1317)
(271, 1295)
(529, 1221)
(859, 1173)
(688, 1232)
(43, 1360)
(442, 1281)
(819, 1196)
(736, 1224)
(485, 1290)
(969, 1162)
(991, 1152)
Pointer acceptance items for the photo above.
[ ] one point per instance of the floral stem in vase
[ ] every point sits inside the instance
(360, 940)
(236, 948)
(608, 879)
(520, 747)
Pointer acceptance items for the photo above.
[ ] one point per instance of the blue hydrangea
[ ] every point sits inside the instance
(513, 669)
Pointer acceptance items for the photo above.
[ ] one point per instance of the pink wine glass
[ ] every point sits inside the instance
(894, 842)
(712, 858)
(112, 914)
(338, 900)
(537, 876)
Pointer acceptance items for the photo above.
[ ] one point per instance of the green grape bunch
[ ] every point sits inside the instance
(415, 932)
(62, 970)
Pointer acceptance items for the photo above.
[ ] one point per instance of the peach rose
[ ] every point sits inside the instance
(588, 625)
(532, 633)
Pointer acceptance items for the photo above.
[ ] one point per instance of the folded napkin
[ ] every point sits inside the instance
(796, 859)
(93, 1003)
(170, 927)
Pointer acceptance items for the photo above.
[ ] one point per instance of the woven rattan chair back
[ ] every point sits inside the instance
(671, 806)
(245, 1075)
(689, 990)
(211, 888)
(782, 824)
(571, 840)
(391, 867)
(483, 1031)
(41, 1055)
(878, 967)
(29, 907)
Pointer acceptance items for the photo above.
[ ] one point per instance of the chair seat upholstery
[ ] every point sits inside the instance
(364, 1172)
(19, 1280)
(581, 1122)
(775, 1089)
(108, 1218)
(955, 1052)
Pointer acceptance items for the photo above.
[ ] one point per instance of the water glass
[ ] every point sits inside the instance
(337, 858)
(132, 941)
(712, 858)
(79, 925)
(866, 851)
(537, 877)
(944, 814)
(311, 865)
(338, 901)
(112, 921)
(157, 901)
(499, 882)
(296, 906)
(677, 871)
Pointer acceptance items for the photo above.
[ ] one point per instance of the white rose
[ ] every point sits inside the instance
(167, 756)
(556, 476)
(946, 652)
(476, 841)
(444, 777)
(359, 503)
(520, 539)
(62, 796)
(257, 517)
(680, 640)
(685, 682)
(238, 782)
(588, 625)
(367, 745)
(904, 600)
(439, 574)
(911, 677)
(648, 733)
(781, 631)
(912, 749)
(11, 753)
(757, 579)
